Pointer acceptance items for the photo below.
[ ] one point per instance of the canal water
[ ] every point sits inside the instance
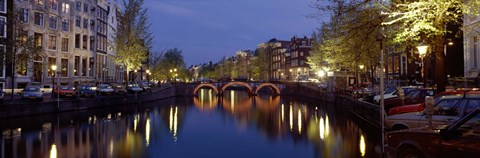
(234, 125)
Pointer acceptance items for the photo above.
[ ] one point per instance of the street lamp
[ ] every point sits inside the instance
(422, 51)
(54, 69)
(361, 66)
(148, 73)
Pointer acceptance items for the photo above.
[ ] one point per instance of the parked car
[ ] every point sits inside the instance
(447, 110)
(104, 89)
(412, 97)
(421, 106)
(132, 88)
(461, 139)
(86, 91)
(65, 91)
(392, 92)
(119, 89)
(145, 87)
(32, 93)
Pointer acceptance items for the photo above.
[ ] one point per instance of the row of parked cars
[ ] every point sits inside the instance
(33, 92)
(450, 128)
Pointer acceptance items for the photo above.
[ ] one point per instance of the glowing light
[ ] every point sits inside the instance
(422, 50)
(362, 145)
(111, 147)
(322, 129)
(135, 122)
(171, 119)
(147, 132)
(299, 121)
(53, 151)
(175, 122)
(327, 126)
(361, 66)
(291, 118)
(210, 97)
(201, 97)
(232, 100)
(283, 115)
(109, 116)
(321, 73)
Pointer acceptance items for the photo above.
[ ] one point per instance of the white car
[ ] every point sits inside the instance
(104, 89)
(392, 93)
(446, 111)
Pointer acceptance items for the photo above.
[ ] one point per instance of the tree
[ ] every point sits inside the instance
(425, 21)
(133, 40)
(24, 48)
(172, 59)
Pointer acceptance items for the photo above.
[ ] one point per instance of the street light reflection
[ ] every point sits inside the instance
(147, 132)
(299, 121)
(362, 145)
(291, 118)
(53, 151)
(322, 128)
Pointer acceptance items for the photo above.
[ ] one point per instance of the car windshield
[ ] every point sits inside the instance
(66, 88)
(412, 94)
(389, 90)
(31, 89)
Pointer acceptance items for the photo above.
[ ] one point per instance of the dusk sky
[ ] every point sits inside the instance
(207, 30)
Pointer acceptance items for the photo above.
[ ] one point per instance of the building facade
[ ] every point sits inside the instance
(76, 36)
(5, 7)
(296, 58)
(471, 25)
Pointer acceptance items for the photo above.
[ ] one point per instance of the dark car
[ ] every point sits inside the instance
(32, 92)
(86, 91)
(145, 87)
(461, 139)
(134, 88)
(413, 97)
(119, 89)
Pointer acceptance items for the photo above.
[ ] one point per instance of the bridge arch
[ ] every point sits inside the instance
(250, 89)
(202, 85)
(274, 88)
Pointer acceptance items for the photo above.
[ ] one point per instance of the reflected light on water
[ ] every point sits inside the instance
(111, 147)
(53, 151)
(135, 122)
(175, 122)
(299, 121)
(232, 100)
(291, 118)
(362, 145)
(147, 132)
(327, 126)
(210, 97)
(202, 94)
(170, 120)
(322, 128)
(283, 113)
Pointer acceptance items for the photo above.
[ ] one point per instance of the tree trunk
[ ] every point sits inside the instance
(440, 76)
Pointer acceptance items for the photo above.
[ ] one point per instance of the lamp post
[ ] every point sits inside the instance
(422, 51)
(54, 69)
(148, 74)
(361, 66)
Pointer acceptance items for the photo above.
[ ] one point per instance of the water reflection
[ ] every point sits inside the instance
(205, 126)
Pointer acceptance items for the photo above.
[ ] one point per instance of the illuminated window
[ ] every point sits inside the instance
(66, 8)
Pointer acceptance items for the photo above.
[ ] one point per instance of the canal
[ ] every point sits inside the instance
(234, 125)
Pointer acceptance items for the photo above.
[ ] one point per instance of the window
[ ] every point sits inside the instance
(85, 42)
(475, 56)
(84, 66)
(39, 18)
(448, 107)
(2, 69)
(3, 7)
(3, 27)
(22, 65)
(22, 36)
(39, 2)
(51, 61)
(90, 67)
(38, 39)
(66, 8)
(85, 7)
(92, 25)
(24, 15)
(65, 25)
(65, 44)
(85, 23)
(76, 68)
(64, 70)
(52, 22)
(301, 54)
(53, 4)
(396, 64)
(52, 42)
(78, 20)
(78, 6)
(92, 42)
(77, 40)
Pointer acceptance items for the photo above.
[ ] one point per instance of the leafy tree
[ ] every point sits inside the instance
(133, 40)
(425, 21)
(172, 59)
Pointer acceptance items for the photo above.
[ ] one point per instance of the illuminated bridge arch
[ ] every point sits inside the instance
(208, 85)
(274, 88)
(250, 89)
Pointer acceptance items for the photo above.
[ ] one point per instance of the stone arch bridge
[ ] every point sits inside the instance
(252, 87)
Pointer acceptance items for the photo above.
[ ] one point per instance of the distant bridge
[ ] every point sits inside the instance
(252, 87)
